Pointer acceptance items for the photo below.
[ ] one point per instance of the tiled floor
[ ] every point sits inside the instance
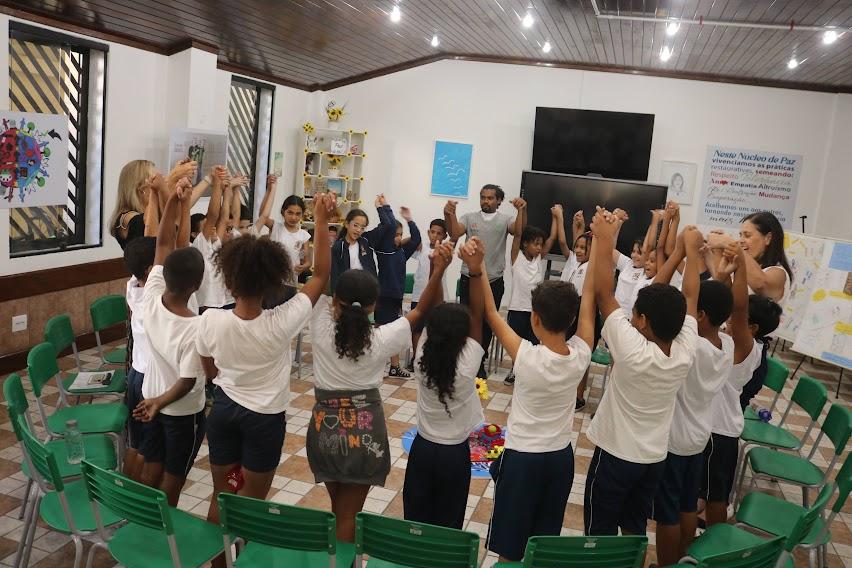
(294, 483)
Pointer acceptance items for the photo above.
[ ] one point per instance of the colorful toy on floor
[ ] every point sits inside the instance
(494, 453)
(486, 443)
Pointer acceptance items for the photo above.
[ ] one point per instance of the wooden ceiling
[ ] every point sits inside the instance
(320, 44)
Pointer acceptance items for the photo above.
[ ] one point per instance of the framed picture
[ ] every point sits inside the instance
(451, 169)
(680, 179)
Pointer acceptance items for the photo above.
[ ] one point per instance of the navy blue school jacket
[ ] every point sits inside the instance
(392, 260)
(367, 244)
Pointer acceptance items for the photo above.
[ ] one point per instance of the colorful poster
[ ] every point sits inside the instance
(804, 253)
(451, 169)
(826, 328)
(205, 147)
(33, 159)
(739, 182)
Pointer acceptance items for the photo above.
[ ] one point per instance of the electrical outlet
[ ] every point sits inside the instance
(19, 323)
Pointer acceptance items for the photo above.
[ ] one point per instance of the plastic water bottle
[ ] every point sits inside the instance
(74, 442)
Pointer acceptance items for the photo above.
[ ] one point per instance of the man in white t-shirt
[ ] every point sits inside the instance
(533, 476)
(492, 227)
(173, 390)
(652, 353)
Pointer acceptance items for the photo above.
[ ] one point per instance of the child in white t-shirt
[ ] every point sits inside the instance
(652, 353)
(347, 443)
(292, 236)
(533, 476)
(753, 318)
(528, 251)
(250, 348)
(214, 231)
(437, 234)
(173, 389)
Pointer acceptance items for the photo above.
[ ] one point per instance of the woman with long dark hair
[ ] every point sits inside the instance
(762, 239)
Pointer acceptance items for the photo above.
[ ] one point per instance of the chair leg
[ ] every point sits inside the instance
(804, 497)
(90, 558)
(26, 498)
(78, 550)
(25, 561)
(27, 507)
(739, 484)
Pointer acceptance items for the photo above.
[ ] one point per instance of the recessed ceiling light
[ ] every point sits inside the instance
(395, 14)
(672, 28)
(435, 41)
(829, 37)
(665, 53)
(528, 20)
(546, 47)
(792, 64)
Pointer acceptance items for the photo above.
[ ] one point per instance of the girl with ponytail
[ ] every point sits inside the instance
(437, 478)
(347, 443)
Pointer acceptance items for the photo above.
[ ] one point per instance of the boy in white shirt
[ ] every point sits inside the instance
(652, 353)
(676, 501)
(534, 474)
(173, 407)
(437, 234)
(214, 230)
(753, 318)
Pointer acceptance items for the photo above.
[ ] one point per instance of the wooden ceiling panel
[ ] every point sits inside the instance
(314, 43)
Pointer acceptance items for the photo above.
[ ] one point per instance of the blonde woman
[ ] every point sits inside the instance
(134, 185)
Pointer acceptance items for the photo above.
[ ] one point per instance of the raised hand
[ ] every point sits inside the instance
(472, 253)
(183, 189)
(605, 223)
(405, 213)
(320, 207)
(450, 207)
(718, 239)
(556, 211)
(380, 200)
(442, 256)
(271, 181)
(621, 214)
(184, 168)
(578, 220)
(239, 180)
(519, 203)
(693, 240)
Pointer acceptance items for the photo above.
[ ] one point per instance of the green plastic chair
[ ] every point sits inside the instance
(280, 535)
(601, 356)
(395, 543)
(108, 418)
(582, 552)
(722, 537)
(409, 283)
(769, 463)
(59, 333)
(108, 311)
(762, 555)
(775, 516)
(62, 506)
(776, 377)
(155, 534)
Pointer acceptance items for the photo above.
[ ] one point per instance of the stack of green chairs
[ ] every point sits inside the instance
(62, 506)
(582, 552)
(761, 555)
(59, 333)
(155, 534)
(723, 538)
(409, 284)
(106, 419)
(774, 516)
(108, 311)
(281, 535)
(395, 543)
(776, 377)
(790, 468)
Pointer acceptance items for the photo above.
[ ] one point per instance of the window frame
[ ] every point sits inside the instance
(33, 34)
(258, 86)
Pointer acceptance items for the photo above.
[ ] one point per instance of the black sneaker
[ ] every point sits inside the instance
(410, 367)
(510, 379)
(399, 373)
(580, 404)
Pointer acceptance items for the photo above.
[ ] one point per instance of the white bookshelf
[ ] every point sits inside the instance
(319, 150)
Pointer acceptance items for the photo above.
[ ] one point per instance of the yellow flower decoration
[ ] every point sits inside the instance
(334, 160)
(482, 388)
(308, 128)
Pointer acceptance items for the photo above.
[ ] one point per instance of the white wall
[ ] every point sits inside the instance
(148, 95)
(835, 203)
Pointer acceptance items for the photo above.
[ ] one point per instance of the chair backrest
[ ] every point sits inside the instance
(108, 310)
(583, 551)
(41, 457)
(16, 398)
(409, 283)
(273, 524)
(838, 426)
(41, 366)
(763, 555)
(776, 374)
(415, 545)
(811, 395)
(844, 484)
(59, 333)
(806, 522)
(126, 498)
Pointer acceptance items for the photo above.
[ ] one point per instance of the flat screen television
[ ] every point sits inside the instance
(592, 142)
(542, 190)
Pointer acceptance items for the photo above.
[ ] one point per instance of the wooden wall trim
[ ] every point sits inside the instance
(15, 362)
(188, 43)
(385, 71)
(248, 72)
(26, 284)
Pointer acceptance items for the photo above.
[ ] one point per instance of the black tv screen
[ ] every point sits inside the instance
(592, 142)
(542, 190)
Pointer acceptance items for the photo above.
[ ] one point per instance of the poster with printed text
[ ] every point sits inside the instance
(739, 182)
(451, 169)
(33, 159)
(206, 147)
